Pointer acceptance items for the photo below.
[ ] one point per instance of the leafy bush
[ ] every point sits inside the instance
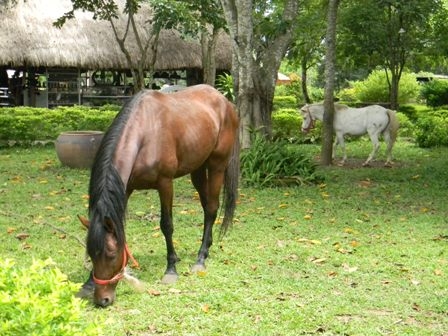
(286, 124)
(294, 88)
(375, 88)
(407, 128)
(410, 111)
(27, 124)
(435, 92)
(224, 84)
(284, 102)
(276, 163)
(39, 301)
(432, 129)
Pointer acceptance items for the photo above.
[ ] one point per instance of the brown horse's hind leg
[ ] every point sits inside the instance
(209, 189)
(166, 224)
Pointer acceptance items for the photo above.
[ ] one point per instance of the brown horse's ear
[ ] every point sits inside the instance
(84, 221)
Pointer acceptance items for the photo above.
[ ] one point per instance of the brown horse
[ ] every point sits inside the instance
(154, 139)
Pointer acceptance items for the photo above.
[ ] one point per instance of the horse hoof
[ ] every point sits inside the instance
(169, 278)
(198, 268)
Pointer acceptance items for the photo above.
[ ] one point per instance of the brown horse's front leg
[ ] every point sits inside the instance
(87, 288)
(166, 225)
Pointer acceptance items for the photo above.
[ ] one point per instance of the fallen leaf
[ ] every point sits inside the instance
(174, 291)
(354, 243)
(325, 194)
(349, 269)
(438, 272)
(22, 236)
(416, 307)
(10, 230)
(154, 292)
(49, 207)
(205, 308)
(26, 246)
(318, 260)
(307, 217)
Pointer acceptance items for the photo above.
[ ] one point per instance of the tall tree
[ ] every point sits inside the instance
(261, 32)
(392, 31)
(145, 33)
(307, 48)
(203, 19)
(330, 61)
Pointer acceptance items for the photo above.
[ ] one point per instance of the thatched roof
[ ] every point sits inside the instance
(28, 37)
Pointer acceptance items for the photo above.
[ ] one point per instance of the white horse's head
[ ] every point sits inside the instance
(308, 120)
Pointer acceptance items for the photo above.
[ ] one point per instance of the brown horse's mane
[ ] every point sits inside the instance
(106, 189)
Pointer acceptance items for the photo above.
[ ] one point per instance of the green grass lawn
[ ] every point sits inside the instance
(365, 253)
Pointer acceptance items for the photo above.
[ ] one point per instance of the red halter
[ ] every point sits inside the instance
(126, 254)
(311, 124)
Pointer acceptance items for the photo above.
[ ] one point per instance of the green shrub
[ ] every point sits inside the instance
(407, 128)
(432, 129)
(25, 124)
(435, 93)
(40, 301)
(375, 88)
(276, 163)
(284, 102)
(410, 111)
(286, 123)
(224, 83)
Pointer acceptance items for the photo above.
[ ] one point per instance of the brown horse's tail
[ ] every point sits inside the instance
(231, 180)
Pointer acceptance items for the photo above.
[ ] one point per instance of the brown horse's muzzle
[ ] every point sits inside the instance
(104, 295)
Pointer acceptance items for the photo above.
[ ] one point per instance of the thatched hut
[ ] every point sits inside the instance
(56, 62)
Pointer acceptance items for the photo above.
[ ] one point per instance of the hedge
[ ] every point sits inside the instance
(27, 124)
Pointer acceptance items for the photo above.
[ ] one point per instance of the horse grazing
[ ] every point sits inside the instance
(374, 120)
(155, 138)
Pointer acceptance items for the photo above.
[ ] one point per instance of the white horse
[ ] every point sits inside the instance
(374, 120)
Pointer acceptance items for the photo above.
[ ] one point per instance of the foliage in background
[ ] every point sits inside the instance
(407, 128)
(40, 301)
(224, 83)
(26, 124)
(375, 89)
(432, 129)
(435, 92)
(276, 163)
(287, 122)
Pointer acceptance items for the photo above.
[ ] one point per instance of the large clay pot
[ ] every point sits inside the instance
(77, 149)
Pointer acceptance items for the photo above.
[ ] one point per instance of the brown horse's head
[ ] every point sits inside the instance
(109, 260)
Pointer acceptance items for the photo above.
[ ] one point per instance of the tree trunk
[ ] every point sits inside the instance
(208, 44)
(304, 66)
(255, 75)
(330, 61)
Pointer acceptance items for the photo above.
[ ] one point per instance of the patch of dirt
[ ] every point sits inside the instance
(357, 163)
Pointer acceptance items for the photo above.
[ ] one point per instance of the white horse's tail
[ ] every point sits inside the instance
(393, 126)
(392, 130)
